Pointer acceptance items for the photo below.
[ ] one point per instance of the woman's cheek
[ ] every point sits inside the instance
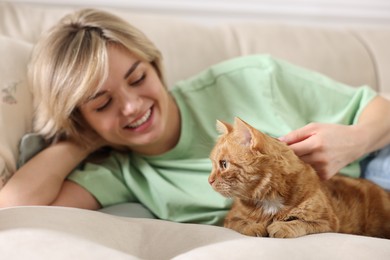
(102, 125)
(108, 124)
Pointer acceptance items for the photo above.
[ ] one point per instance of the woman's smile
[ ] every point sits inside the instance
(142, 122)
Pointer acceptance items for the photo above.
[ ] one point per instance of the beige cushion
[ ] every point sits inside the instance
(377, 42)
(15, 103)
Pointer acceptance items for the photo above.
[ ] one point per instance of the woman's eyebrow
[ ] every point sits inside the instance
(95, 96)
(131, 70)
(101, 93)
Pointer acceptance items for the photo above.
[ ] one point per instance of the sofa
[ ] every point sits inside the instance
(356, 55)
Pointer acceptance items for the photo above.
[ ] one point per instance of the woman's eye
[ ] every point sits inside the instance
(138, 81)
(103, 106)
(223, 164)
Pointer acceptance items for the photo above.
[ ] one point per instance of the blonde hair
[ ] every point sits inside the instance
(70, 63)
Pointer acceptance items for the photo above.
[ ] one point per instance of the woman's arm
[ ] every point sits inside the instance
(73, 195)
(374, 124)
(330, 147)
(41, 180)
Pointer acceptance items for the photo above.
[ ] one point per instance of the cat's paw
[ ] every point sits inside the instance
(285, 230)
(251, 230)
(256, 233)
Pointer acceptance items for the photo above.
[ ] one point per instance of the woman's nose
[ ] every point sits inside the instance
(129, 104)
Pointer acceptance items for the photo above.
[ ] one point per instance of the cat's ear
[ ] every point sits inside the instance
(243, 131)
(249, 135)
(223, 127)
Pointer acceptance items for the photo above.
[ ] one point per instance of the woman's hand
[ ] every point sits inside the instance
(330, 147)
(326, 147)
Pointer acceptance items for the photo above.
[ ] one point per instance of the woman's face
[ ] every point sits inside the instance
(132, 107)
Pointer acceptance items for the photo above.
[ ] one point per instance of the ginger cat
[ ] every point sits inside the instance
(278, 195)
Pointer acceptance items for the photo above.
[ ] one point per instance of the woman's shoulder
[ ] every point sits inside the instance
(228, 68)
(259, 61)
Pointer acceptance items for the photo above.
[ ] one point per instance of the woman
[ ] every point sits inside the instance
(98, 82)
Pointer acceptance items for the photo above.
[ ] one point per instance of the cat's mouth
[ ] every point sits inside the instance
(222, 189)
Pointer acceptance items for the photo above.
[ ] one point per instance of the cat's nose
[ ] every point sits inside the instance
(211, 180)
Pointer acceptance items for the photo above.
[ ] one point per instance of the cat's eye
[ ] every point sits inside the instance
(223, 164)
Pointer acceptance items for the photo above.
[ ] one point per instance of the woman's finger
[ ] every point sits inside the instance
(297, 135)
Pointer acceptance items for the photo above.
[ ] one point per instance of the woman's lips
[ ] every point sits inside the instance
(141, 120)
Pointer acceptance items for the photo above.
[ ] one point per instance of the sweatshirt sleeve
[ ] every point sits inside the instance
(106, 180)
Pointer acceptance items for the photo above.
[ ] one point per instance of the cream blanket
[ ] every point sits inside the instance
(68, 233)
